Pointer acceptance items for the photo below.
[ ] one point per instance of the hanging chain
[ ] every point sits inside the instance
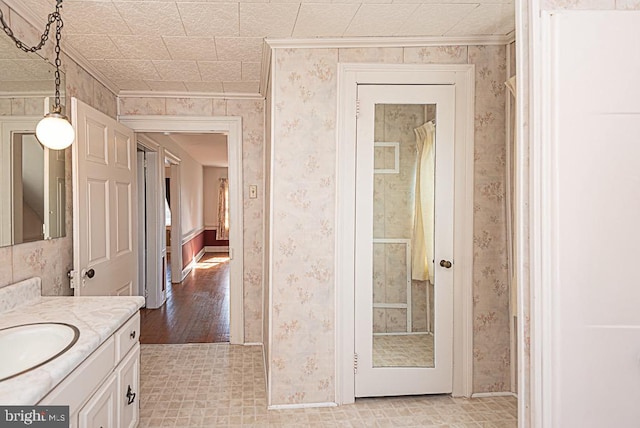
(53, 17)
(58, 62)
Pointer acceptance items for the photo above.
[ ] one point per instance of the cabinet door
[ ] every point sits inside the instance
(101, 410)
(129, 388)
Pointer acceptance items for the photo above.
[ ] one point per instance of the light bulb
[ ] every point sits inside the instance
(55, 131)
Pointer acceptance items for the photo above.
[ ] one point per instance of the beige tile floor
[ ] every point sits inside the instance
(410, 350)
(219, 385)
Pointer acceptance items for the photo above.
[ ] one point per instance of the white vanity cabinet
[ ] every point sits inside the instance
(101, 410)
(103, 391)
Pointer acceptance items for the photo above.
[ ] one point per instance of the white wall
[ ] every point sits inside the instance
(191, 204)
(211, 183)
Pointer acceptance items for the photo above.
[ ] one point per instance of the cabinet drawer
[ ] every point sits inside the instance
(80, 384)
(127, 336)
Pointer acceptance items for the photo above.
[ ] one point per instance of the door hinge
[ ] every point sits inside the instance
(72, 278)
(355, 363)
(357, 108)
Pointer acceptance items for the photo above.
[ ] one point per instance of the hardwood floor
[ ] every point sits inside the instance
(196, 310)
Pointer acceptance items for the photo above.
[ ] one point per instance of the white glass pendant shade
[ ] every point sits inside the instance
(55, 131)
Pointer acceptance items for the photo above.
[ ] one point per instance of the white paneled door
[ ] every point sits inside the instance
(104, 195)
(404, 240)
(585, 229)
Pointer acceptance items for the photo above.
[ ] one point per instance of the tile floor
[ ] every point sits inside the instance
(408, 350)
(220, 385)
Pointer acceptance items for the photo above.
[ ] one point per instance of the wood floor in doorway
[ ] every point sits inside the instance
(196, 310)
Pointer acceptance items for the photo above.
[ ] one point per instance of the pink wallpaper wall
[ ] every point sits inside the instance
(304, 147)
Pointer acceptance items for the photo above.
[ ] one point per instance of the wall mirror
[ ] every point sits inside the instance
(32, 177)
(403, 208)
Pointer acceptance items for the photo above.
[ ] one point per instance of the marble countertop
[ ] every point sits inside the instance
(96, 318)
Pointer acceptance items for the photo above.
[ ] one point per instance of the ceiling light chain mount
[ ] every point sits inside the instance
(54, 131)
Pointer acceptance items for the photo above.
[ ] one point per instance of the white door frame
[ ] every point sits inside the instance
(349, 76)
(544, 145)
(8, 126)
(142, 221)
(175, 206)
(232, 127)
(154, 296)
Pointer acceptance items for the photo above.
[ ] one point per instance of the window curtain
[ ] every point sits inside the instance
(422, 240)
(223, 210)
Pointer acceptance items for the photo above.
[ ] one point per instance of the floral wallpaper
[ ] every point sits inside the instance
(52, 259)
(304, 100)
(22, 106)
(303, 213)
(490, 272)
(252, 113)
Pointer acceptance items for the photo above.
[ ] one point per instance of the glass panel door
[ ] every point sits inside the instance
(404, 207)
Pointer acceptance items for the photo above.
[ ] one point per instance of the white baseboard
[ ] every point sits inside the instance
(215, 249)
(185, 272)
(493, 394)
(300, 406)
(252, 344)
(190, 266)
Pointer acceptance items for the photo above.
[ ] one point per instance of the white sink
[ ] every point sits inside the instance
(27, 346)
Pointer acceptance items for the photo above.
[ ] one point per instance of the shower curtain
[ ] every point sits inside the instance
(422, 240)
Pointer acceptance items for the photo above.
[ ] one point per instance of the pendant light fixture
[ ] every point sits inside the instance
(54, 130)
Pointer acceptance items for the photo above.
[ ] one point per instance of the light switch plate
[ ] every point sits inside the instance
(253, 191)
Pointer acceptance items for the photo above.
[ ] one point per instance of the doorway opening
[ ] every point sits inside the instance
(195, 201)
(197, 249)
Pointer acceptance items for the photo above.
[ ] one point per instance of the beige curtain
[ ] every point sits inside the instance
(422, 240)
(223, 210)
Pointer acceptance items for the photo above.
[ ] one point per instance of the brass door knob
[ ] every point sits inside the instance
(445, 264)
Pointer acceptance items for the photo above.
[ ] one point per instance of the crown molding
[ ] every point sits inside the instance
(386, 42)
(91, 69)
(27, 14)
(185, 94)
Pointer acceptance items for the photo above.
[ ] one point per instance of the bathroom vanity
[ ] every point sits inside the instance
(98, 376)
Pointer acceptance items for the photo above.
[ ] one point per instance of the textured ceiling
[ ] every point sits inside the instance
(22, 72)
(216, 46)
